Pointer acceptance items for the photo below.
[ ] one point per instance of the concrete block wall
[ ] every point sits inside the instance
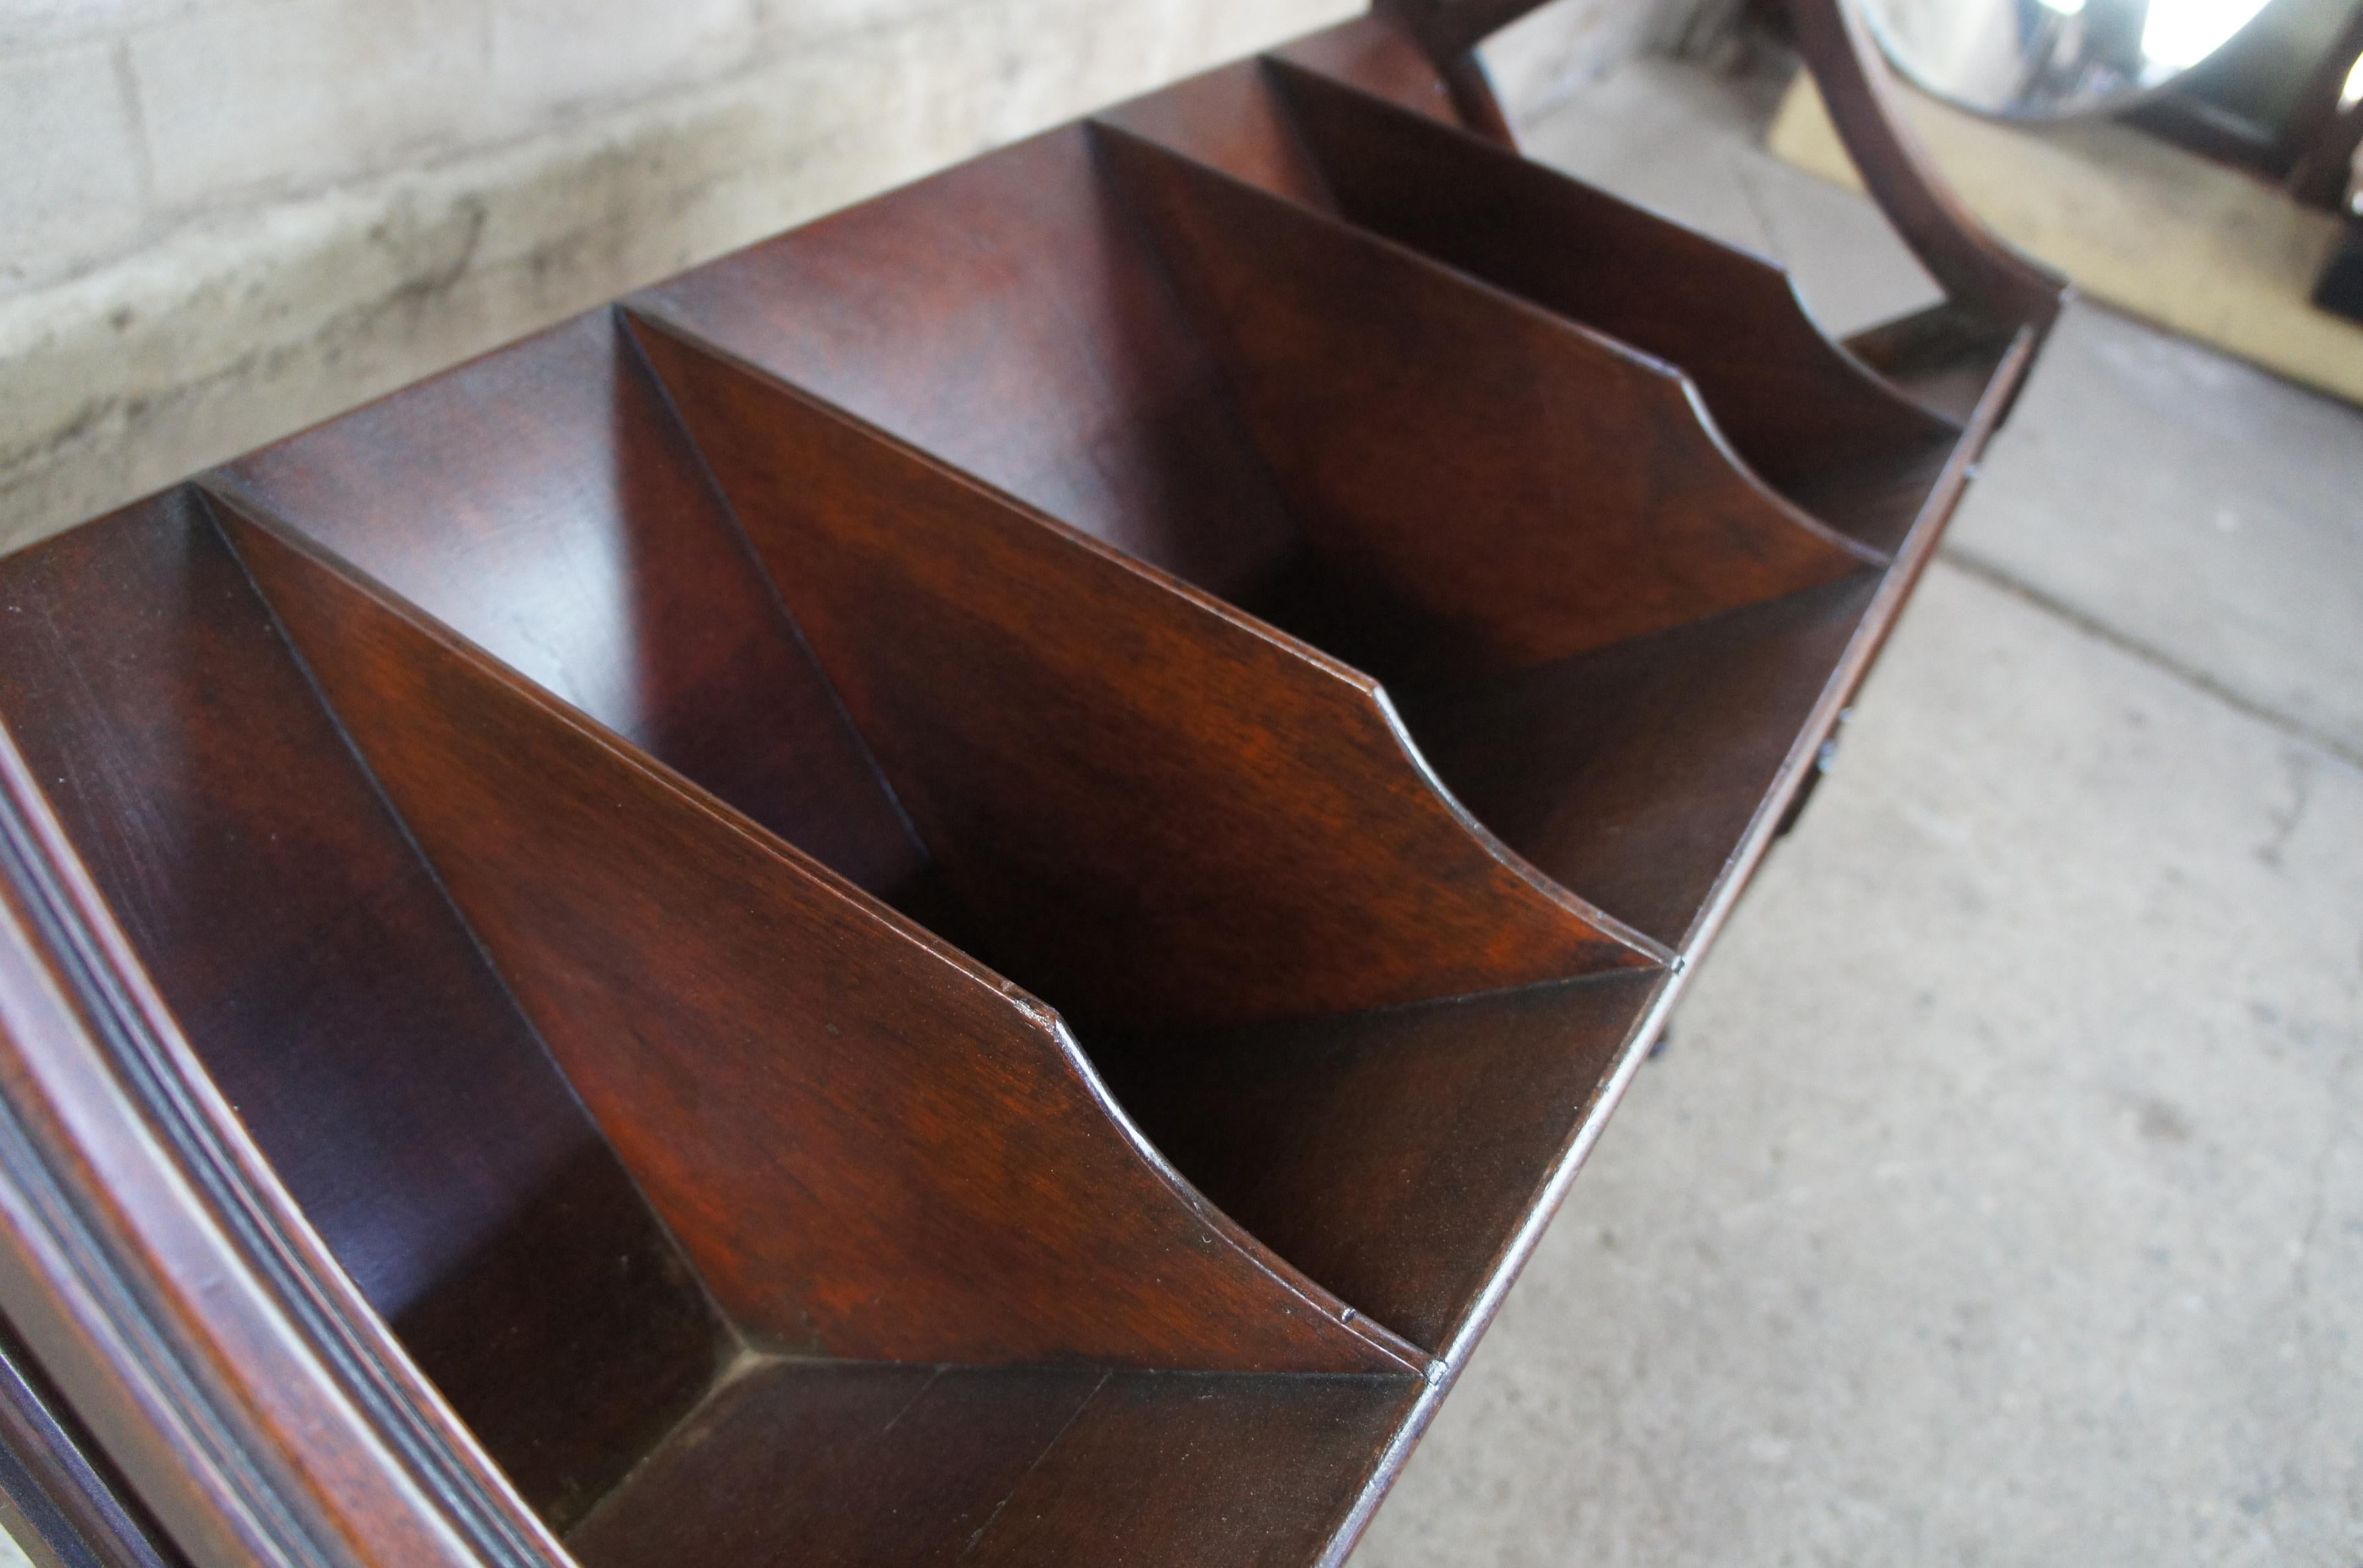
(223, 219)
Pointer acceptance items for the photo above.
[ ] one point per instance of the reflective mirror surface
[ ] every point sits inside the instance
(2051, 59)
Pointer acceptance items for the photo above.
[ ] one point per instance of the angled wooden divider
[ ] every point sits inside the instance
(346, 1010)
(1343, 124)
(1162, 780)
(869, 1147)
(1161, 816)
(1637, 772)
(341, 1004)
(1165, 815)
(541, 501)
(1807, 416)
(1052, 361)
(1480, 485)
(1535, 516)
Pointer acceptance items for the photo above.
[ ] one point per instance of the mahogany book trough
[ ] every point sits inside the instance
(956, 889)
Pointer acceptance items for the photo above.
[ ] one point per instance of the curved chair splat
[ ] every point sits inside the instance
(1978, 269)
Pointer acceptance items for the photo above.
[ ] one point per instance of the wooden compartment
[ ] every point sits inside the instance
(1438, 484)
(666, 1152)
(1167, 822)
(1800, 411)
(957, 889)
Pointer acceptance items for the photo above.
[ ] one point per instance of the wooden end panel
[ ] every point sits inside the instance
(868, 1147)
(1170, 815)
(1483, 485)
(1792, 403)
(338, 1002)
(1943, 356)
(540, 503)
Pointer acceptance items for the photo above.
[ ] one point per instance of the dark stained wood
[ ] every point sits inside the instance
(853, 1462)
(1379, 54)
(1251, 1470)
(543, 502)
(338, 1001)
(1164, 813)
(1801, 412)
(826, 1463)
(1944, 357)
(1060, 370)
(166, 1283)
(491, 1020)
(1795, 407)
(1483, 486)
(1634, 772)
(1451, 29)
(869, 1147)
(1388, 1154)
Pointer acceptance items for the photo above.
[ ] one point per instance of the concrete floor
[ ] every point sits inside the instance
(2001, 1199)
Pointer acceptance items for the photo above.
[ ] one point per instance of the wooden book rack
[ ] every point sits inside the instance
(956, 889)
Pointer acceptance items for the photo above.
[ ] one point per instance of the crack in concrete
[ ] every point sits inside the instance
(2299, 766)
(2286, 723)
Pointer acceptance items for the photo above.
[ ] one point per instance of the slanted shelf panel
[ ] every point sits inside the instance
(1803, 415)
(542, 499)
(1801, 412)
(1160, 814)
(1156, 813)
(869, 1147)
(1480, 485)
(342, 1005)
(1456, 487)
(1181, 824)
(1005, 317)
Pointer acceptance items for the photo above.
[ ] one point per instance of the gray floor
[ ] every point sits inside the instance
(2001, 1200)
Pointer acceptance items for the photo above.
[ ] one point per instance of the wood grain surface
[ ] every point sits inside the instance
(1481, 485)
(1156, 811)
(869, 1147)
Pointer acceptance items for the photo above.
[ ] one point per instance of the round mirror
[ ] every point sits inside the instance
(2039, 59)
